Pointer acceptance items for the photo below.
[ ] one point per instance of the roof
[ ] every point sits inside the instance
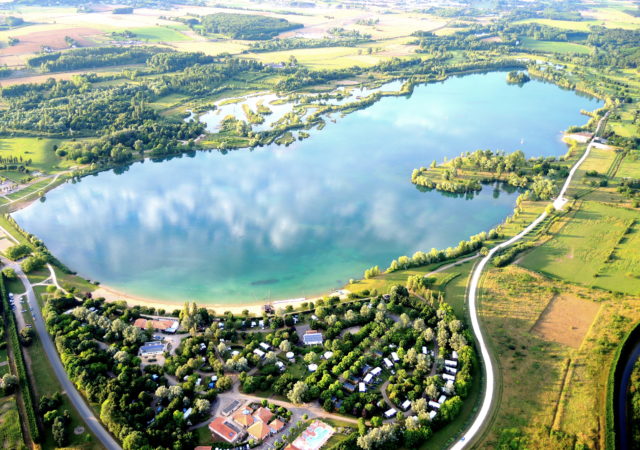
(243, 418)
(161, 324)
(291, 447)
(222, 429)
(276, 425)
(259, 430)
(312, 337)
(152, 347)
(203, 447)
(263, 414)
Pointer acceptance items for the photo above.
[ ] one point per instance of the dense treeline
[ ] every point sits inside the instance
(633, 407)
(275, 45)
(420, 258)
(246, 26)
(84, 58)
(172, 61)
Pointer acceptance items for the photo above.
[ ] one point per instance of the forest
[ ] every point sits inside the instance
(246, 26)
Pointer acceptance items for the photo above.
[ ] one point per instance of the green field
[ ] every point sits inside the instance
(596, 248)
(40, 151)
(10, 432)
(159, 34)
(552, 46)
(630, 167)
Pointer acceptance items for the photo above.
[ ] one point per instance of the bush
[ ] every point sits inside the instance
(17, 251)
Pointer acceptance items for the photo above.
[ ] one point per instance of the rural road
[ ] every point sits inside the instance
(67, 386)
(485, 409)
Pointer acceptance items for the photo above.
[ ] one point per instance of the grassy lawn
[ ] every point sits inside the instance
(31, 189)
(552, 46)
(454, 291)
(40, 151)
(68, 281)
(580, 252)
(384, 282)
(10, 432)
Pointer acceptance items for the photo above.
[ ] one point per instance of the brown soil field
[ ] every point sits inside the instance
(32, 43)
(566, 320)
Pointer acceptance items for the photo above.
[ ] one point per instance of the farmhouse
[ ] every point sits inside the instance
(395, 357)
(224, 429)
(405, 405)
(168, 326)
(450, 363)
(362, 387)
(312, 337)
(388, 363)
(435, 405)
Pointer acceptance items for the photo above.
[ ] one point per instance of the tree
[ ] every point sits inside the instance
(8, 383)
(298, 394)
(450, 409)
(378, 437)
(26, 336)
(133, 335)
(285, 346)
(9, 273)
(59, 432)
(201, 406)
(134, 441)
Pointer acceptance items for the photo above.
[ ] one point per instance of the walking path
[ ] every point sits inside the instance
(487, 401)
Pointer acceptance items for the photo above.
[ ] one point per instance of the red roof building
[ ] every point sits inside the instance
(276, 426)
(259, 431)
(219, 427)
(263, 415)
(243, 418)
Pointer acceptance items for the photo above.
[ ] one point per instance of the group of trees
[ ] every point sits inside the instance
(85, 58)
(246, 26)
(112, 377)
(420, 258)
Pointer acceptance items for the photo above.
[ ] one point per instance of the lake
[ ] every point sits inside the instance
(287, 222)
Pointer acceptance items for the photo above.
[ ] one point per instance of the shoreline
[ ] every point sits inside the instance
(112, 295)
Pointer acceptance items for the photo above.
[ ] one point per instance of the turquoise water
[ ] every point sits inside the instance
(290, 222)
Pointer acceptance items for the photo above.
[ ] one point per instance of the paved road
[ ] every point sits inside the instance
(485, 409)
(76, 398)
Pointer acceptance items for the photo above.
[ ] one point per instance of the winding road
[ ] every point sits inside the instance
(476, 275)
(67, 386)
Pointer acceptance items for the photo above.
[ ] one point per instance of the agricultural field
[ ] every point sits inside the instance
(565, 332)
(556, 47)
(584, 251)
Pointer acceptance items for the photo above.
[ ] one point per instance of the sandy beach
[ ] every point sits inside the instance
(112, 295)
